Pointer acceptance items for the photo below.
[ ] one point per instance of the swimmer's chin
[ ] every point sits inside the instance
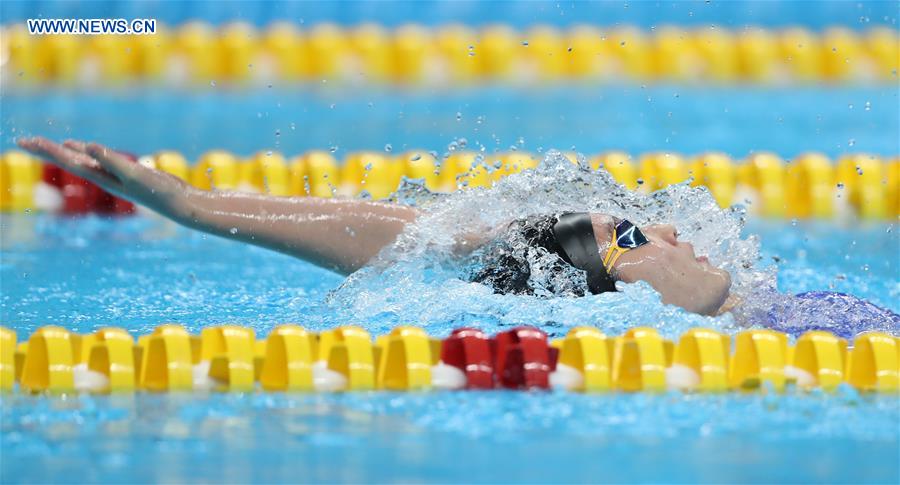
(730, 302)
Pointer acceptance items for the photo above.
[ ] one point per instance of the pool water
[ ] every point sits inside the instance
(135, 273)
(138, 272)
(686, 120)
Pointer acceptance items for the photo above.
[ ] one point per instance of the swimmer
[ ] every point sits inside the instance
(606, 248)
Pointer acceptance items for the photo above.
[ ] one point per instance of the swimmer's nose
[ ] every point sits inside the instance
(664, 232)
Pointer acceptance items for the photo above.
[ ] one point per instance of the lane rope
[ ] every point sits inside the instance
(809, 186)
(232, 358)
(199, 54)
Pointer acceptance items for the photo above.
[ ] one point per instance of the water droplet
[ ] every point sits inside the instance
(868, 106)
(233, 231)
(212, 83)
(525, 43)
(859, 170)
(333, 148)
(458, 116)
(840, 185)
(388, 147)
(416, 157)
(277, 132)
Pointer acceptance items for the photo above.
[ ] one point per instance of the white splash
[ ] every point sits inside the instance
(420, 281)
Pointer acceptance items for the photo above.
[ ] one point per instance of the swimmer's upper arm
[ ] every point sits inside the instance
(470, 241)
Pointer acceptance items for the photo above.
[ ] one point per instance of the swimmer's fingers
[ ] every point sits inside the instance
(74, 161)
(113, 161)
(130, 171)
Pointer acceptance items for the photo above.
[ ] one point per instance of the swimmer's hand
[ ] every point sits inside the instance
(112, 171)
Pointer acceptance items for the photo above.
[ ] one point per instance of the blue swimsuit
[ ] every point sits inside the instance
(839, 313)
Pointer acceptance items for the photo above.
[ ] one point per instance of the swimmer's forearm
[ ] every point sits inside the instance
(338, 234)
(341, 235)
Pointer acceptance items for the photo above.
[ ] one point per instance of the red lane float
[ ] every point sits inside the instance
(469, 350)
(523, 359)
(83, 197)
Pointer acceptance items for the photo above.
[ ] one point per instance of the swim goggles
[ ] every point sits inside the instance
(625, 237)
(574, 234)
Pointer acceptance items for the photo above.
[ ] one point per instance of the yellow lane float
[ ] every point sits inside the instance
(199, 54)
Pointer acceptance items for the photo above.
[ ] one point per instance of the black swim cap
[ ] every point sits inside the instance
(574, 233)
(569, 236)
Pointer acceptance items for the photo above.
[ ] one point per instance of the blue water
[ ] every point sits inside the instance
(135, 273)
(467, 437)
(84, 273)
(687, 120)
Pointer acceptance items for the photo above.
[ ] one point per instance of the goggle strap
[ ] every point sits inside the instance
(612, 256)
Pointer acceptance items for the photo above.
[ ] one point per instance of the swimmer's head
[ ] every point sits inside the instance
(670, 266)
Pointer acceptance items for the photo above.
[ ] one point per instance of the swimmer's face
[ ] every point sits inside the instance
(670, 266)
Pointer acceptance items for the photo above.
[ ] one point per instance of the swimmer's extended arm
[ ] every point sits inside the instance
(337, 234)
